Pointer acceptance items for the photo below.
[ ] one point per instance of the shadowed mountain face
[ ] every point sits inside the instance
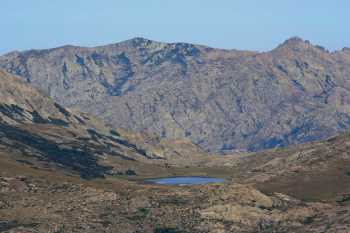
(36, 131)
(222, 100)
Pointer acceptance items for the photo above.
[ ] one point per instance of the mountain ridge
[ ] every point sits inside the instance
(222, 100)
(139, 38)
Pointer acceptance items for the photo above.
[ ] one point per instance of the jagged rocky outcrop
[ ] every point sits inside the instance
(222, 100)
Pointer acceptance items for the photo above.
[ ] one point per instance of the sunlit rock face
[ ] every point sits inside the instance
(222, 100)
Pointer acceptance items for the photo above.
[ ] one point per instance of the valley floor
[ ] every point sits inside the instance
(37, 200)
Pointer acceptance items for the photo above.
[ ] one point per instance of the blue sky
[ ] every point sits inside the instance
(241, 24)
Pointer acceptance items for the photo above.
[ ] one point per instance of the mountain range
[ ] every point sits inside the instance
(66, 171)
(222, 100)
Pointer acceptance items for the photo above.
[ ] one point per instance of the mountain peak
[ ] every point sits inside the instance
(295, 43)
(139, 41)
(295, 39)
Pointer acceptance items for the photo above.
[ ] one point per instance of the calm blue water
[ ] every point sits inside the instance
(186, 180)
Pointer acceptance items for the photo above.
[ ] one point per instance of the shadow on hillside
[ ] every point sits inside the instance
(75, 157)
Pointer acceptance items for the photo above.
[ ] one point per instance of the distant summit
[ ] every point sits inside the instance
(295, 43)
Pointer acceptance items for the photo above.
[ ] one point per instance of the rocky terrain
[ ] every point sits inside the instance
(42, 200)
(221, 100)
(40, 133)
(31, 204)
(65, 171)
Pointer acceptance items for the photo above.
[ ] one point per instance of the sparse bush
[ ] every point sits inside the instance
(130, 172)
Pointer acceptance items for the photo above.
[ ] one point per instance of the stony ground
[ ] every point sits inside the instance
(37, 205)
(33, 199)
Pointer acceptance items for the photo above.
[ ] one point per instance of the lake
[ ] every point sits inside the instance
(185, 180)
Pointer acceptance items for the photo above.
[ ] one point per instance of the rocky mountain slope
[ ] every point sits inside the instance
(312, 171)
(222, 100)
(299, 189)
(37, 131)
(64, 171)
